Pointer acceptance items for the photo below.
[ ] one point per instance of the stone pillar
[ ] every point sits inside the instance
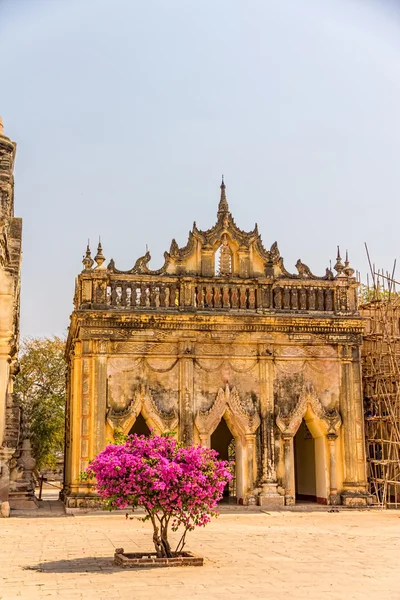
(99, 397)
(269, 496)
(354, 485)
(290, 497)
(186, 394)
(74, 433)
(333, 495)
(250, 448)
(5, 457)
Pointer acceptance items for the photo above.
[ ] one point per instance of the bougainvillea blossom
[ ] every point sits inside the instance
(176, 485)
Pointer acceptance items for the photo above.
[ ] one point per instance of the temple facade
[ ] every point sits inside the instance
(10, 267)
(226, 348)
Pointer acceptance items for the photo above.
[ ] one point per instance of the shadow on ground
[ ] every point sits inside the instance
(86, 564)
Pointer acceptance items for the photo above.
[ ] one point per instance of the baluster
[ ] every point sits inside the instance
(208, 297)
(294, 300)
(167, 296)
(128, 296)
(328, 300)
(108, 295)
(303, 299)
(242, 297)
(278, 298)
(119, 294)
(320, 299)
(266, 293)
(147, 295)
(235, 297)
(162, 296)
(136, 295)
(123, 293)
(286, 298)
(177, 297)
(258, 292)
(311, 298)
(200, 298)
(217, 297)
(225, 297)
(157, 297)
(113, 294)
(252, 298)
(152, 295)
(172, 296)
(143, 295)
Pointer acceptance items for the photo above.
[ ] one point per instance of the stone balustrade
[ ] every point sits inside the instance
(111, 291)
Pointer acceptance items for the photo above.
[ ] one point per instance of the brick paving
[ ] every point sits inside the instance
(279, 555)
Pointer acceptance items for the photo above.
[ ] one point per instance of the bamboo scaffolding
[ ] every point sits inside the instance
(381, 384)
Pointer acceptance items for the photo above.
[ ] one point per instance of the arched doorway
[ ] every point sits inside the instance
(304, 465)
(223, 442)
(140, 426)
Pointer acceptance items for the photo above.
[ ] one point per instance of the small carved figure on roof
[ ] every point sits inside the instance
(304, 270)
(142, 262)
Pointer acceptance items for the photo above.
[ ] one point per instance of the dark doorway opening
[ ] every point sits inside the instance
(304, 465)
(223, 442)
(140, 426)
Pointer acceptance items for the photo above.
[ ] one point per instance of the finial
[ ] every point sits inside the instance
(223, 207)
(1, 127)
(348, 270)
(339, 265)
(87, 259)
(99, 258)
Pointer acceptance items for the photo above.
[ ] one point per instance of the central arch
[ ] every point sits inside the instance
(223, 442)
(304, 465)
(140, 426)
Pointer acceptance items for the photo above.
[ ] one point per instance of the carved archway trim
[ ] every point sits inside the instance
(143, 402)
(241, 419)
(329, 419)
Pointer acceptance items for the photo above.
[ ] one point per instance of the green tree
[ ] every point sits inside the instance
(372, 294)
(40, 391)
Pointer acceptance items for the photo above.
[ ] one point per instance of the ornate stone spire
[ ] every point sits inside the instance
(348, 270)
(87, 259)
(339, 266)
(223, 207)
(99, 258)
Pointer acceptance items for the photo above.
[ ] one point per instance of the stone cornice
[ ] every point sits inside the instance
(335, 329)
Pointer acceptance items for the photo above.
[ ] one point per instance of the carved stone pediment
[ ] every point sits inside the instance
(304, 399)
(157, 416)
(241, 413)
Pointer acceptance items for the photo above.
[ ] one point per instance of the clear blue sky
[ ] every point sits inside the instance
(126, 113)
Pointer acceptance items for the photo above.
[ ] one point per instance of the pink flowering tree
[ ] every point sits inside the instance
(176, 485)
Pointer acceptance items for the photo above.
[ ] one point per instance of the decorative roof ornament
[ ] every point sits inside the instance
(223, 207)
(87, 260)
(225, 257)
(348, 270)
(100, 258)
(339, 266)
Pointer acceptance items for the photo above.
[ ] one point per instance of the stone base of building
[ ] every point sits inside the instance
(335, 499)
(22, 501)
(4, 509)
(269, 497)
(290, 500)
(356, 499)
(80, 502)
